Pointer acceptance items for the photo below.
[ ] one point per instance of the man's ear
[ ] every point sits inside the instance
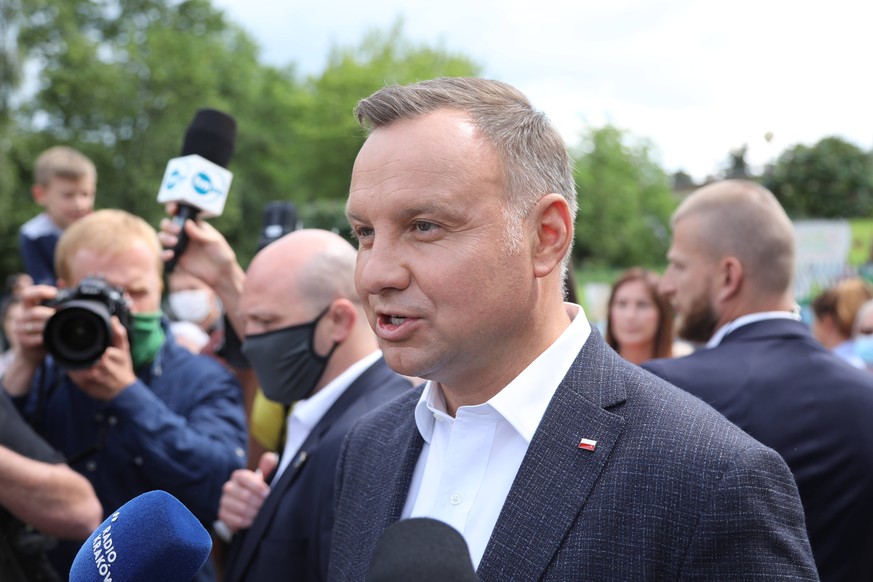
(38, 193)
(341, 319)
(730, 278)
(552, 234)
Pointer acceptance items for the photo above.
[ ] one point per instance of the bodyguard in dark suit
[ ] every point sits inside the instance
(308, 341)
(553, 457)
(730, 279)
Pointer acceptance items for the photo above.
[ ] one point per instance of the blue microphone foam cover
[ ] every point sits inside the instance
(152, 537)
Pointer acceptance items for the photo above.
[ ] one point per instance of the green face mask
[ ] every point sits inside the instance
(148, 337)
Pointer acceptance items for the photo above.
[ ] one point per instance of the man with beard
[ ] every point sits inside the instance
(730, 279)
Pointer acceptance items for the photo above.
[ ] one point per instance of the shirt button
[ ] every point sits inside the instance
(113, 421)
(455, 498)
(240, 453)
(437, 417)
(137, 460)
(91, 466)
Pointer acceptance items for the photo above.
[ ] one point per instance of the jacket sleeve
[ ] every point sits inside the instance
(189, 450)
(753, 525)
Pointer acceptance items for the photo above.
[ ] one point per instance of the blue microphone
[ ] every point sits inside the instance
(151, 538)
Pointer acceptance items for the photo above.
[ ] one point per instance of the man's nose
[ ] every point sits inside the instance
(382, 267)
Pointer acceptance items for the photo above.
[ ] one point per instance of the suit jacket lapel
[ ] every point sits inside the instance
(252, 537)
(535, 519)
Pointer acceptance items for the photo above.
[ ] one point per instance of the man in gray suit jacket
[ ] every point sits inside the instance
(553, 458)
(730, 278)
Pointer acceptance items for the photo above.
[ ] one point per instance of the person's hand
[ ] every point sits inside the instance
(113, 372)
(208, 256)
(244, 494)
(29, 326)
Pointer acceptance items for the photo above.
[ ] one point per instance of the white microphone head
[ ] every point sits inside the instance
(196, 181)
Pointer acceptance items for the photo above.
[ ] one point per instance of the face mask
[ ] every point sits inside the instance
(148, 337)
(285, 361)
(864, 348)
(192, 305)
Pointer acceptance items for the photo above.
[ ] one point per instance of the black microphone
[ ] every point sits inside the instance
(421, 549)
(199, 180)
(280, 218)
(151, 538)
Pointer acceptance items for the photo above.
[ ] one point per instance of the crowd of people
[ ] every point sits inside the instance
(301, 406)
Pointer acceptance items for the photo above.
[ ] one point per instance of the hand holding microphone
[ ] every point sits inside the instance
(151, 538)
(199, 181)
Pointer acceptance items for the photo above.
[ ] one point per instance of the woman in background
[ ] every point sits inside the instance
(639, 323)
(835, 311)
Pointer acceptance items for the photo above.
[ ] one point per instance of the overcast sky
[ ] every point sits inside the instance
(696, 78)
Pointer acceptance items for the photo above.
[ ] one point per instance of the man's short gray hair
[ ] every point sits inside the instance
(534, 158)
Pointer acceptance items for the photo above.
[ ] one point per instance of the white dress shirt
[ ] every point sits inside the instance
(305, 414)
(468, 462)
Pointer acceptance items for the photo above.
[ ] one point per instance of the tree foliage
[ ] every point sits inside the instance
(121, 79)
(831, 179)
(625, 201)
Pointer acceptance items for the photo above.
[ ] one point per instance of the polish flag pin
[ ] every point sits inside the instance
(587, 444)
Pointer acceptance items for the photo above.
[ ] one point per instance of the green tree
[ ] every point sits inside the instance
(121, 79)
(329, 135)
(625, 201)
(831, 179)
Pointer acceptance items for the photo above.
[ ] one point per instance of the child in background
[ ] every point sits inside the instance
(65, 181)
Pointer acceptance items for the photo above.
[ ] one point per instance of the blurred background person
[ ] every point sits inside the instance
(18, 282)
(862, 334)
(192, 301)
(64, 184)
(639, 324)
(835, 310)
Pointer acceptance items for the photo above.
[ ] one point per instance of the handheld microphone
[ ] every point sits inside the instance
(199, 181)
(151, 538)
(421, 549)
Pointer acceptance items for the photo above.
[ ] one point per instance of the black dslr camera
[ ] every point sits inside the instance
(81, 329)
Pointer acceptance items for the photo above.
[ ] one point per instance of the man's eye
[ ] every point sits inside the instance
(424, 226)
(362, 232)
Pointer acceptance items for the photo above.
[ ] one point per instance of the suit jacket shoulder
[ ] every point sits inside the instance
(671, 490)
(776, 382)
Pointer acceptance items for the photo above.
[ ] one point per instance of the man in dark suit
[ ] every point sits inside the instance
(309, 343)
(730, 280)
(555, 459)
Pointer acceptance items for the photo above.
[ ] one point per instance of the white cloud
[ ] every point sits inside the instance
(696, 78)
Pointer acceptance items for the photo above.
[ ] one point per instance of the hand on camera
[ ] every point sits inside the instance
(113, 372)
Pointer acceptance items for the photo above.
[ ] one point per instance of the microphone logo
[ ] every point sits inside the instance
(203, 184)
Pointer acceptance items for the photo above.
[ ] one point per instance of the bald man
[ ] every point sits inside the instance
(309, 342)
(730, 277)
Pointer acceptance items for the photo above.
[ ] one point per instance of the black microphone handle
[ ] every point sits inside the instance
(183, 213)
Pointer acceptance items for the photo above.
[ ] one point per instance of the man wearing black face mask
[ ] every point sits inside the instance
(312, 349)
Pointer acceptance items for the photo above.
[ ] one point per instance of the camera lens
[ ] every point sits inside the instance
(78, 334)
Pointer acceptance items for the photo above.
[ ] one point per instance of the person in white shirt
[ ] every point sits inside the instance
(554, 458)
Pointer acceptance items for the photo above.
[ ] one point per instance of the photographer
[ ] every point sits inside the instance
(150, 416)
